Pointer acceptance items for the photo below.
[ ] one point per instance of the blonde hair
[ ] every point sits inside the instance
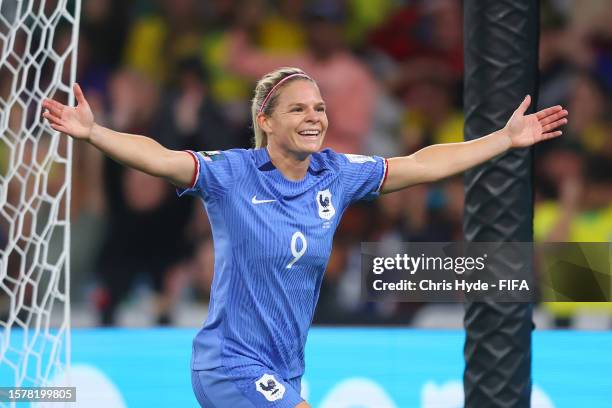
(265, 92)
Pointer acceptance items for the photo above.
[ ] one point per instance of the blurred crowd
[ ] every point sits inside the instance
(183, 71)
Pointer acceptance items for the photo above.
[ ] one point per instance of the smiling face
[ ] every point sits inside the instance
(298, 122)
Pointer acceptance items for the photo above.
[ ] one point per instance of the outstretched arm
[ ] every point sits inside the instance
(440, 161)
(138, 152)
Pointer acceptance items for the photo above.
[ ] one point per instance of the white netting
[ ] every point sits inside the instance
(38, 45)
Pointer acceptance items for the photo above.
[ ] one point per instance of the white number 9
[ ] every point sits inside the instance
(294, 251)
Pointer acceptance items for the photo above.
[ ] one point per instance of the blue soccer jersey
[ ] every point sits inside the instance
(272, 240)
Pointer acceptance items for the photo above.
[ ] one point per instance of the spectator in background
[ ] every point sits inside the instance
(157, 41)
(424, 220)
(346, 84)
(363, 16)
(423, 43)
(573, 188)
(583, 186)
(281, 31)
(430, 115)
(190, 116)
(590, 108)
(230, 90)
(556, 68)
(104, 29)
(146, 223)
(424, 37)
(582, 213)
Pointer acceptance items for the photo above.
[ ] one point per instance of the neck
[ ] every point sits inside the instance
(292, 166)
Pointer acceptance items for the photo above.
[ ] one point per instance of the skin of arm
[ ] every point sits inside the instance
(436, 162)
(144, 154)
(135, 151)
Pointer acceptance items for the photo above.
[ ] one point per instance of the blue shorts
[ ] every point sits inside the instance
(247, 387)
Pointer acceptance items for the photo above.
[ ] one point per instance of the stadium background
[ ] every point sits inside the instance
(182, 71)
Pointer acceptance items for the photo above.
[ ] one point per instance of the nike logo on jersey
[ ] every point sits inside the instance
(254, 200)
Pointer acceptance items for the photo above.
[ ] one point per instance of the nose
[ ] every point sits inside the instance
(312, 115)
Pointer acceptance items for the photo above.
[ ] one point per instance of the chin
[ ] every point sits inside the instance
(309, 147)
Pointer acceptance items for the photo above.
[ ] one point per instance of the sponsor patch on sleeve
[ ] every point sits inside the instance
(358, 158)
(212, 155)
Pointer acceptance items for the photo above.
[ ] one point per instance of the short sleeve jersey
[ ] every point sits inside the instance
(272, 240)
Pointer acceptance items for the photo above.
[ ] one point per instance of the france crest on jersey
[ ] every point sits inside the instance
(272, 239)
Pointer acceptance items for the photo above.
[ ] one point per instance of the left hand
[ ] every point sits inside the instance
(526, 130)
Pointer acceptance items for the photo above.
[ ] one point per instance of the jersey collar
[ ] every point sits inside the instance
(264, 163)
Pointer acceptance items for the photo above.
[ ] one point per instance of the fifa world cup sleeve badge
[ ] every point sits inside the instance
(211, 156)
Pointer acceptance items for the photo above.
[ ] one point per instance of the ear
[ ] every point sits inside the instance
(264, 122)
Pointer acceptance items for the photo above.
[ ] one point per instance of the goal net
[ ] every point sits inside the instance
(38, 47)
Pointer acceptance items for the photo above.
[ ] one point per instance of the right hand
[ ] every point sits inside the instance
(74, 121)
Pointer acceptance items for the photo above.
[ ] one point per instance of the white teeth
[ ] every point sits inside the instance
(309, 132)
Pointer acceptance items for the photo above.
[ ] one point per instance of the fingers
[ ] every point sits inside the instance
(550, 135)
(54, 107)
(52, 118)
(55, 122)
(59, 128)
(524, 105)
(548, 111)
(553, 117)
(554, 125)
(78, 93)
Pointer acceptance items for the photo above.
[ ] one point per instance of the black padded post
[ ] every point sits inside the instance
(501, 51)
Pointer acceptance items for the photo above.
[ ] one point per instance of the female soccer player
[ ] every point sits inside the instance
(273, 211)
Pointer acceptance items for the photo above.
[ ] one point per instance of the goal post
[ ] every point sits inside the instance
(38, 49)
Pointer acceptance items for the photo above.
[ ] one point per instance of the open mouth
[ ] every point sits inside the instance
(311, 133)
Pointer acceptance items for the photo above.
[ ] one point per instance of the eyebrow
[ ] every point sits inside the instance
(303, 104)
